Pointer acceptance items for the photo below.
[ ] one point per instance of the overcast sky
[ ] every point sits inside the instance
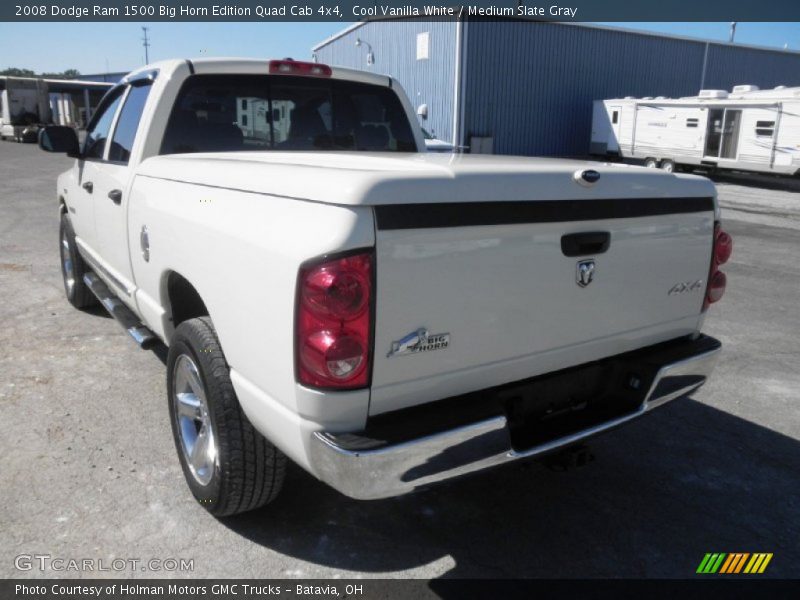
(101, 47)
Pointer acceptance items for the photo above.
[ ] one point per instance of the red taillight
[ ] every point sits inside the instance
(723, 247)
(293, 67)
(333, 326)
(336, 292)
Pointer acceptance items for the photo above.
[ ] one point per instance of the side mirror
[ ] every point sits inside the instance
(57, 138)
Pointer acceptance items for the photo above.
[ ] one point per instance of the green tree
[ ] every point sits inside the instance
(15, 72)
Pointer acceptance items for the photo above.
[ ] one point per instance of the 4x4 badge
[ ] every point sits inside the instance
(419, 341)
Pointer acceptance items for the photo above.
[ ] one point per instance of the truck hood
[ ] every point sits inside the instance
(360, 178)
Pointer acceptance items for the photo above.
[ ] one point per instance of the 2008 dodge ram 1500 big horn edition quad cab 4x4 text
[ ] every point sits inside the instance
(386, 318)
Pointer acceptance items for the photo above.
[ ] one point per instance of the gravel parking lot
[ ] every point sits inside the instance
(89, 468)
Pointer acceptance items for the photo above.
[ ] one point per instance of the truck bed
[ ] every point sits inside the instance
(473, 247)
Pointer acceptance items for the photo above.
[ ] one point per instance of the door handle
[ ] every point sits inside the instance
(88, 186)
(582, 244)
(116, 196)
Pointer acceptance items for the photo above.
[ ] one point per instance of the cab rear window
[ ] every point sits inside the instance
(229, 113)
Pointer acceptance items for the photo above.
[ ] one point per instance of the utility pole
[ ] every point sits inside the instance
(733, 31)
(146, 44)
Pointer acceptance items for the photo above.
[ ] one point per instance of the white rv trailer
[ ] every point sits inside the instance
(24, 103)
(28, 103)
(254, 118)
(747, 129)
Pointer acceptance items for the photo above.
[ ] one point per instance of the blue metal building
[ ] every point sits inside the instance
(526, 87)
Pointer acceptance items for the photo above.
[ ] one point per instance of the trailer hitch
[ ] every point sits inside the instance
(572, 457)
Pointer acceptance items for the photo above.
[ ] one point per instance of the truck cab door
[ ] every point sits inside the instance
(111, 192)
(86, 171)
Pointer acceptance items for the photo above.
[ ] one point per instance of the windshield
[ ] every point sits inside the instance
(228, 113)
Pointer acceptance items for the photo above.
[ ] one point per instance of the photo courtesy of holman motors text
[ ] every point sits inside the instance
(223, 590)
(399, 299)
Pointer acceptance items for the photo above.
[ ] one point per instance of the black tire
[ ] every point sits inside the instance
(668, 165)
(78, 294)
(651, 163)
(248, 471)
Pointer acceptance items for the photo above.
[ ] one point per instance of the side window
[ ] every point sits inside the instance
(128, 123)
(765, 128)
(97, 136)
(615, 117)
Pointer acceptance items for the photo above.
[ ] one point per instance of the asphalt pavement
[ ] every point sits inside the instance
(89, 469)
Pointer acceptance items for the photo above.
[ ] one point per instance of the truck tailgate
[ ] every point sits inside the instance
(514, 303)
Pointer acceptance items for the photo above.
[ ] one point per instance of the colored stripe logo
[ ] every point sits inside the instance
(734, 563)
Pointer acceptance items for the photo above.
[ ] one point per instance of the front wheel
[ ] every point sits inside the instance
(229, 466)
(651, 163)
(73, 268)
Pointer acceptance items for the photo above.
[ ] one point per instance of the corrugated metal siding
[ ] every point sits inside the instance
(394, 43)
(530, 85)
(729, 66)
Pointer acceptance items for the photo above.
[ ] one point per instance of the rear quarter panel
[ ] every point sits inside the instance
(241, 251)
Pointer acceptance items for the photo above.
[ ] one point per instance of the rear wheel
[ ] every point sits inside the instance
(651, 163)
(73, 268)
(668, 166)
(229, 467)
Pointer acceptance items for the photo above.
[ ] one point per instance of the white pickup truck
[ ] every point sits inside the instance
(384, 317)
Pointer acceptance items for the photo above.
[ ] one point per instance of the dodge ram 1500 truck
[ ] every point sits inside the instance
(384, 317)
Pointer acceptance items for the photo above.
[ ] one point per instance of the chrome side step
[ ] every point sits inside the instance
(124, 315)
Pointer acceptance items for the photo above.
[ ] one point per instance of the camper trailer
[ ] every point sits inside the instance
(747, 129)
(28, 103)
(24, 104)
(254, 118)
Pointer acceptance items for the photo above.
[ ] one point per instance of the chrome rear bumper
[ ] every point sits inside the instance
(400, 468)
